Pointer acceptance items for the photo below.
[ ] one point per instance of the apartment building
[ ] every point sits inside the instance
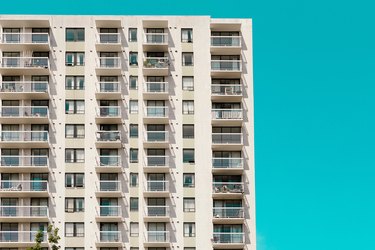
(127, 132)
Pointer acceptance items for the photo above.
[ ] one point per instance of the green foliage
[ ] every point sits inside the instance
(52, 236)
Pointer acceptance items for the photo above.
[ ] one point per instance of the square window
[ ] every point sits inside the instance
(186, 35)
(187, 59)
(188, 156)
(189, 204)
(189, 180)
(188, 107)
(188, 131)
(188, 83)
(189, 229)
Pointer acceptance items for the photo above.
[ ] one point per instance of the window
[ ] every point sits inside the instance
(133, 131)
(74, 131)
(132, 34)
(75, 34)
(188, 83)
(74, 229)
(134, 229)
(187, 59)
(133, 155)
(74, 248)
(74, 155)
(133, 59)
(188, 156)
(75, 82)
(74, 205)
(133, 204)
(189, 248)
(133, 180)
(74, 180)
(189, 229)
(75, 58)
(188, 131)
(188, 107)
(189, 180)
(74, 107)
(133, 106)
(189, 204)
(133, 82)
(187, 35)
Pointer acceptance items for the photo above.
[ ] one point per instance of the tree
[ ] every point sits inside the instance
(52, 237)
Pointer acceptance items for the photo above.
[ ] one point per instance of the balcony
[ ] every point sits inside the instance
(156, 114)
(227, 116)
(109, 214)
(109, 114)
(227, 189)
(227, 165)
(25, 65)
(157, 239)
(24, 139)
(156, 139)
(21, 239)
(155, 91)
(157, 214)
(109, 164)
(228, 240)
(32, 188)
(108, 66)
(157, 188)
(24, 114)
(230, 68)
(156, 164)
(155, 42)
(19, 163)
(228, 215)
(228, 45)
(108, 139)
(108, 91)
(24, 90)
(109, 189)
(109, 239)
(228, 92)
(108, 42)
(156, 66)
(24, 213)
(25, 41)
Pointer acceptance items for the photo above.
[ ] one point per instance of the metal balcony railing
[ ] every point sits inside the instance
(226, 138)
(156, 62)
(226, 89)
(157, 186)
(157, 160)
(156, 38)
(228, 187)
(25, 62)
(109, 186)
(24, 87)
(227, 114)
(109, 111)
(225, 41)
(20, 236)
(109, 160)
(156, 136)
(24, 111)
(226, 65)
(109, 62)
(104, 136)
(110, 236)
(109, 38)
(25, 38)
(21, 186)
(157, 236)
(110, 210)
(108, 87)
(156, 87)
(23, 211)
(157, 211)
(228, 212)
(24, 136)
(156, 111)
(18, 160)
(232, 163)
(228, 238)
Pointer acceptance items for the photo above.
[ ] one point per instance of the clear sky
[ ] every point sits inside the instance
(314, 80)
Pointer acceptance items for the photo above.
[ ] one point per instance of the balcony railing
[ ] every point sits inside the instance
(23, 211)
(226, 89)
(109, 111)
(24, 87)
(157, 186)
(231, 163)
(25, 62)
(228, 187)
(157, 236)
(156, 38)
(156, 87)
(110, 211)
(20, 236)
(109, 62)
(227, 114)
(157, 211)
(109, 38)
(109, 160)
(108, 87)
(156, 160)
(24, 111)
(110, 236)
(24, 136)
(156, 111)
(109, 186)
(226, 65)
(225, 41)
(25, 38)
(156, 62)
(228, 238)
(18, 160)
(228, 212)
(156, 136)
(104, 136)
(21, 186)
(226, 138)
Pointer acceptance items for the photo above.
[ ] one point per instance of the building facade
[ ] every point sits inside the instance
(127, 132)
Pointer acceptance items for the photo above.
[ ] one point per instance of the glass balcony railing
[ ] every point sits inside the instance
(157, 236)
(18, 160)
(228, 187)
(156, 87)
(226, 89)
(25, 38)
(157, 211)
(156, 136)
(227, 114)
(228, 238)
(22, 186)
(20, 236)
(109, 111)
(109, 38)
(108, 87)
(109, 62)
(24, 111)
(225, 163)
(109, 186)
(225, 41)
(108, 136)
(109, 160)
(156, 160)
(226, 65)
(24, 136)
(226, 138)
(156, 62)
(23, 211)
(156, 186)
(156, 111)
(25, 62)
(156, 38)
(110, 210)
(24, 87)
(110, 236)
(228, 212)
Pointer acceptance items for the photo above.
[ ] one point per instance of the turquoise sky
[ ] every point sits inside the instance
(314, 64)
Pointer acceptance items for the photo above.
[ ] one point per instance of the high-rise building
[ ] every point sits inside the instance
(127, 132)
